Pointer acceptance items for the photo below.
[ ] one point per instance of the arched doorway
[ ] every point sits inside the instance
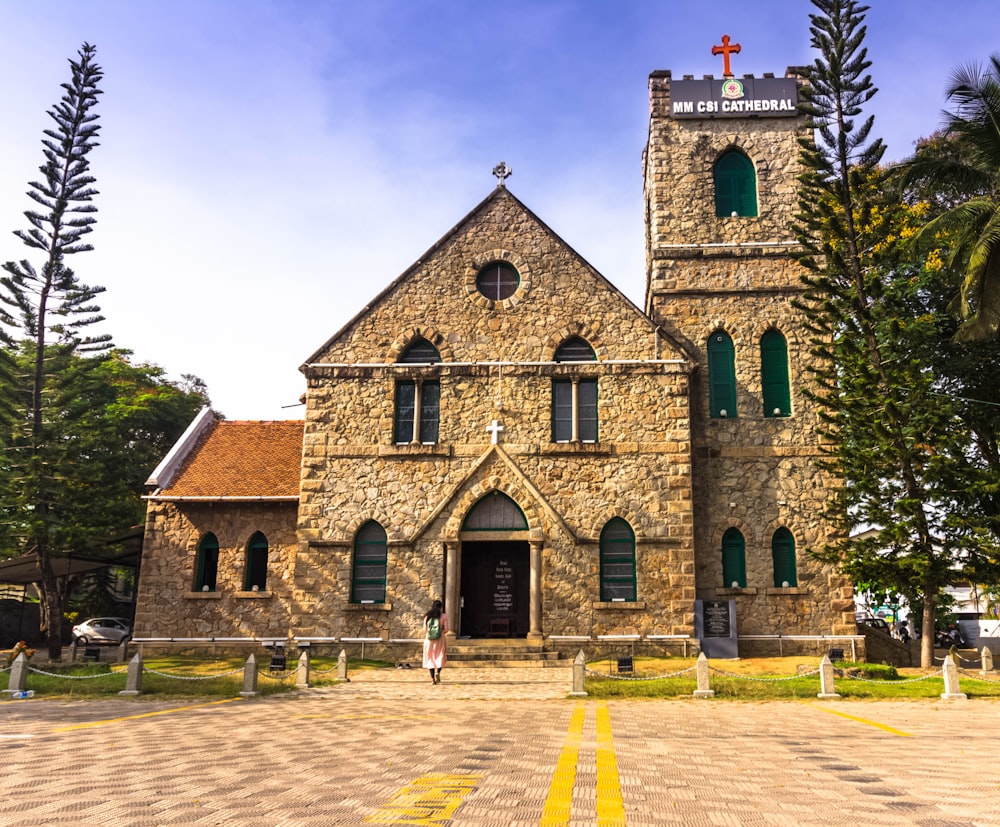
(495, 596)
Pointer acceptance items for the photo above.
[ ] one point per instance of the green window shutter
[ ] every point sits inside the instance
(562, 410)
(783, 555)
(617, 561)
(403, 423)
(587, 410)
(735, 186)
(369, 570)
(734, 566)
(208, 563)
(256, 565)
(721, 376)
(774, 374)
(430, 411)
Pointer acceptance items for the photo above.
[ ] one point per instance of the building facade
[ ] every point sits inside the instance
(503, 429)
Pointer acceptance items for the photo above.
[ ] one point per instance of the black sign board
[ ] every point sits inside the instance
(734, 98)
(716, 618)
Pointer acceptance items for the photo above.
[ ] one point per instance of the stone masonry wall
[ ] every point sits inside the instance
(168, 605)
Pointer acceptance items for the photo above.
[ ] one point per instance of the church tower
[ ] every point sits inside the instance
(720, 172)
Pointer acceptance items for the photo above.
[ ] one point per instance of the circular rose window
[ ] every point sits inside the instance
(498, 281)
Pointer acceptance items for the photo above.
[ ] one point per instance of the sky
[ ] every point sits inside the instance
(267, 167)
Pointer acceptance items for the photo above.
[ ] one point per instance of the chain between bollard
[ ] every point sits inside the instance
(599, 674)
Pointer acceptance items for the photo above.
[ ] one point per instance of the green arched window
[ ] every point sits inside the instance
(255, 578)
(207, 571)
(734, 563)
(617, 561)
(735, 186)
(721, 376)
(774, 374)
(783, 555)
(368, 572)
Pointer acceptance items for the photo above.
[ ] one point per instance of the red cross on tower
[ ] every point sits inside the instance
(725, 50)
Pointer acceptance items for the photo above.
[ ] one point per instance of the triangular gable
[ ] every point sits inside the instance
(666, 342)
(462, 485)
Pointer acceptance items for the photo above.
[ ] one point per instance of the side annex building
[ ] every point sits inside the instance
(503, 429)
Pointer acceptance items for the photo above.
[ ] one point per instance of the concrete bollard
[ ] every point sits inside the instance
(986, 664)
(826, 687)
(579, 672)
(342, 667)
(17, 682)
(133, 681)
(952, 691)
(122, 655)
(704, 690)
(302, 670)
(250, 678)
(70, 653)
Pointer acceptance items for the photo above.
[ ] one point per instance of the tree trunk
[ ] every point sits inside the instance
(927, 630)
(50, 608)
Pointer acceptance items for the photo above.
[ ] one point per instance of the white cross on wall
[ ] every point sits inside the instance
(495, 430)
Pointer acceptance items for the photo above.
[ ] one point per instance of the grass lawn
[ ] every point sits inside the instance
(756, 679)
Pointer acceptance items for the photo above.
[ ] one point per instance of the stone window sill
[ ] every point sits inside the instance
(368, 607)
(737, 591)
(253, 595)
(792, 590)
(204, 595)
(575, 448)
(434, 450)
(622, 604)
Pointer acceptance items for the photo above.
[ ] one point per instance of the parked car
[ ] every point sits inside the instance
(108, 630)
(877, 623)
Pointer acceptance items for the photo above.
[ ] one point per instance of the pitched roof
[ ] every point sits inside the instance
(240, 460)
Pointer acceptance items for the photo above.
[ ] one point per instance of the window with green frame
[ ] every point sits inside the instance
(418, 401)
(783, 555)
(735, 185)
(207, 571)
(774, 374)
(721, 376)
(617, 561)
(734, 562)
(255, 578)
(368, 571)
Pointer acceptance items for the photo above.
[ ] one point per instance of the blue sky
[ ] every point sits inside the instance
(267, 166)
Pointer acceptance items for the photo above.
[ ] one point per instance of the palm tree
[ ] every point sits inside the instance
(964, 161)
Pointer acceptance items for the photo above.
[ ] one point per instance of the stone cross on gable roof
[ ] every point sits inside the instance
(502, 172)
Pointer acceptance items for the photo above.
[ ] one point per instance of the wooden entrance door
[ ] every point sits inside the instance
(495, 589)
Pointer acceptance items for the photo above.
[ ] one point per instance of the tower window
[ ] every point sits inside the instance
(735, 186)
(774, 374)
(734, 564)
(721, 376)
(783, 556)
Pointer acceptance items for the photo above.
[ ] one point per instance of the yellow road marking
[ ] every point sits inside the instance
(560, 798)
(610, 807)
(883, 727)
(107, 721)
(431, 799)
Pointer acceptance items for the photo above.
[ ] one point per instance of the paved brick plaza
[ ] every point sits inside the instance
(512, 751)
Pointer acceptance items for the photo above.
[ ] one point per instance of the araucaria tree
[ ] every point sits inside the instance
(44, 312)
(894, 436)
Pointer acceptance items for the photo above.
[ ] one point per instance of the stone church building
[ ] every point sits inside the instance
(502, 428)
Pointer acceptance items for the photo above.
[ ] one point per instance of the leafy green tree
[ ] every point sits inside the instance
(964, 161)
(893, 434)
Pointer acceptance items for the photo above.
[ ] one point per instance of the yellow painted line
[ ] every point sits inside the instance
(610, 806)
(107, 721)
(560, 798)
(883, 727)
(431, 799)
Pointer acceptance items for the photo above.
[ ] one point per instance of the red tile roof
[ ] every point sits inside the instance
(242, 460)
